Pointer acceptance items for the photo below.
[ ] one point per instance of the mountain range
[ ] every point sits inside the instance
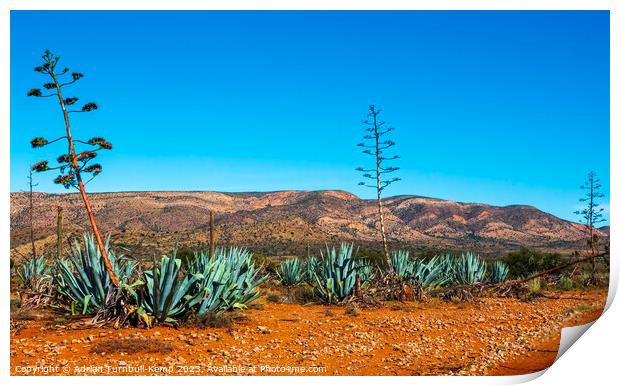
(292, 222)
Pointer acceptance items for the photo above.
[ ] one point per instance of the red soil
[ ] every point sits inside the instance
(492, 336)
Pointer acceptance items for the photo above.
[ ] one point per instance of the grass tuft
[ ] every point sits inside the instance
(566, 283)
(534, 286)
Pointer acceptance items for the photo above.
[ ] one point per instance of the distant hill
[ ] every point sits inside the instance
(605, 229)
(289, 222)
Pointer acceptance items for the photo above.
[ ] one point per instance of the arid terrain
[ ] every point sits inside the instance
(291, 222)
(490, 336)
(281, 334)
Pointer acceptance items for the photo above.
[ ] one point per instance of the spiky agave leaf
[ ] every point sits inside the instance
(366, 270)
(469, 269)
(230, 280)
(291, 272)
(83, 280)
(311, 266)
(166, 292)
(430, 273)
(499, 272)
(217, 291)
(402, 264)
(33, 270)
(336, 273)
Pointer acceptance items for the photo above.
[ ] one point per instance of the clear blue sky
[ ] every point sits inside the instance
(496, 107)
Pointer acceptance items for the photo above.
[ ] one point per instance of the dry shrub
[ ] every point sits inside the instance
(352, 310)
(273, 298)
(386, 288)
(132, 346)
(461, 294)
(15, 304)
(216, 320)
(26, 314)
(302, 294)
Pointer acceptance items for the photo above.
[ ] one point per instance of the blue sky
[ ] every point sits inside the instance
(496, 107)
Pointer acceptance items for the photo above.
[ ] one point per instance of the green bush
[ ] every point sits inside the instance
(534, 286)
(372, 257)
(566, 283)
(526, 262)
(186, 255)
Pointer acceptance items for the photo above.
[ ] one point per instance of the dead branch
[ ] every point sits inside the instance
(551, 270)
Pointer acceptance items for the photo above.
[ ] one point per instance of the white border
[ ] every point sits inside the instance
(593, 362)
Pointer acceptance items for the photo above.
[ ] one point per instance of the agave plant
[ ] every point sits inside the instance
(469, 269)
(166, 291)
(83, 278)
(431, 273)
(336, 273)
(499, 272)
(217, 291)
(228, 280)
(291, 272)
(311, 266)
(365, 270)
(402, 264)
(32, 271)
(245, 274)
(201, 260)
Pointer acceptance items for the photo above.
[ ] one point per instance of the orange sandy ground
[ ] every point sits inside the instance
(492, 336)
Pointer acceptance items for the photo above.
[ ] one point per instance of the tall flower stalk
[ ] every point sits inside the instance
(73, 165)
(376, 147)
